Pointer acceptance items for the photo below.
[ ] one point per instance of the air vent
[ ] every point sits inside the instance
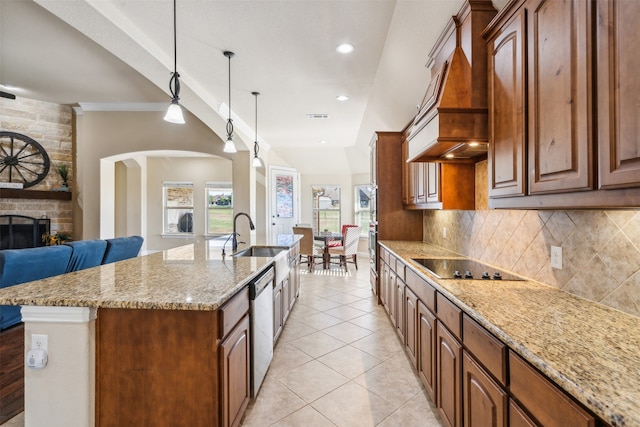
(317, 116)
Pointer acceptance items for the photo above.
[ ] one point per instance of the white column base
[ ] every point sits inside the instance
(63, 393)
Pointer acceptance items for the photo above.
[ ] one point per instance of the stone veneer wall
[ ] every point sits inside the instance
(51, 126)
(600, 248)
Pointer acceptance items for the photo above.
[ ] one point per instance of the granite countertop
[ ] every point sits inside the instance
(590, 350)
(190, 277)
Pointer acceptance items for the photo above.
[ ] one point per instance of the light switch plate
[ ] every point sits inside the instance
(556, 257)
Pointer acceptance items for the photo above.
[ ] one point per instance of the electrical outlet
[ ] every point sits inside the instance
(39, 341)
(556, 257)
(444, 232)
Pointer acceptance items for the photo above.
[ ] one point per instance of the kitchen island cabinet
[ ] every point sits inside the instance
(146, 341)
(526, 353)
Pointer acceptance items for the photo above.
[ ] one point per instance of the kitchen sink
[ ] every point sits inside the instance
(260, 251)
(278, 253)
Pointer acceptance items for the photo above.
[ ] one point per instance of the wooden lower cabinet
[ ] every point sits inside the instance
(550, 406)
(484, 401)
(235, 356)
(169, 367)
(411, 325)
(518, 417)
(448, 377)
(426, 353)
(399, 312)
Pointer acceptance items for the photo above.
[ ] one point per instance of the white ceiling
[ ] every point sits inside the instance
(121, 51)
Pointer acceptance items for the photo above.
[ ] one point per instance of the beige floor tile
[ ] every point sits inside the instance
(320, 303)
(372, 321)
(286, 357)
(365, 304)
(362, 292)
(417, 412)
(345, 312)
(274, 401)
(313, 380)
(347, 332)
(317, 344)
(381, 344)
(307, 417)
(349, 361)
(393, 380)
(295, 330)
(353, 406)
(343, 298)
(320, 321)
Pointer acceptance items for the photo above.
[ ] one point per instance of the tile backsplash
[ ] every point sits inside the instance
(600, 248)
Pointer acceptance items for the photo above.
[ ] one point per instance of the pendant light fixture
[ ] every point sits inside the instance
(229, 146)
(257, 161)
(174, 112)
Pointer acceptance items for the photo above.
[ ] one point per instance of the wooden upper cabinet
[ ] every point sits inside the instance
(560, 91)
(618, 93)
(506, 69)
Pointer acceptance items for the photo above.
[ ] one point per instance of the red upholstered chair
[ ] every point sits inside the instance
(332, 243)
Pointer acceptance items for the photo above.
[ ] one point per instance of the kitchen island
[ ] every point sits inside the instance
(587, 350)
(151, 340)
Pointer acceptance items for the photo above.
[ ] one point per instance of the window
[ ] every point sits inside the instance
(326, 208)
(219, 207)
(178, 207)
(362, 198)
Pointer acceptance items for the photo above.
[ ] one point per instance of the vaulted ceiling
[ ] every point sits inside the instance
(120, 52)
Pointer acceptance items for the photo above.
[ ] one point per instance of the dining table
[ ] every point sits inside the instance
(327, 237)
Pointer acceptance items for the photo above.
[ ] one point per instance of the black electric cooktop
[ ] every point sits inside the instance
(452, 268)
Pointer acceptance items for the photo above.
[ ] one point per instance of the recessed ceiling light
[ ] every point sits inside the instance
(322, 141)
(344, 48)
(342, 98)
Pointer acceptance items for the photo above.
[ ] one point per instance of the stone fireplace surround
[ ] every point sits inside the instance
(52, 126)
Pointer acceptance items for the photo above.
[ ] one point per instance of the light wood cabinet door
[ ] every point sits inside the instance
(506, 89)
(426, 352)
(618, 93)
(484, 401)
(235, 354)
(448, 381)
(560, 137)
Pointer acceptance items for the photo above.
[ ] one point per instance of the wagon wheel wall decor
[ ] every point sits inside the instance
(22, 159)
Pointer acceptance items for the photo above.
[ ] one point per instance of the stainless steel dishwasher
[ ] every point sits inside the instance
(261, 311)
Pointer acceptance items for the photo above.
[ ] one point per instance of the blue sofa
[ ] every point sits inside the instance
(25, 265)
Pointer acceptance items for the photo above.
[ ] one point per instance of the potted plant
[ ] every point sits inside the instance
(63, 171)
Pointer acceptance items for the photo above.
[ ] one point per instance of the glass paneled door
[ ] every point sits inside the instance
(284, 209)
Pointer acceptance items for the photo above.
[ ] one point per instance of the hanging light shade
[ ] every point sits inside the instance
(257, 161)
(229, 146)
(174, 112)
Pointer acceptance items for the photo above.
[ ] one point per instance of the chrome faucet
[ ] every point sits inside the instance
(234, 246)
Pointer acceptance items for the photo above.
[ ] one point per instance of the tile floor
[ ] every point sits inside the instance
(338, 362)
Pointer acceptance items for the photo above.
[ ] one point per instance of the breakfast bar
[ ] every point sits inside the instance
(168, 327)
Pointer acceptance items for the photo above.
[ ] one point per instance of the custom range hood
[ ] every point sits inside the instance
(452, 122)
